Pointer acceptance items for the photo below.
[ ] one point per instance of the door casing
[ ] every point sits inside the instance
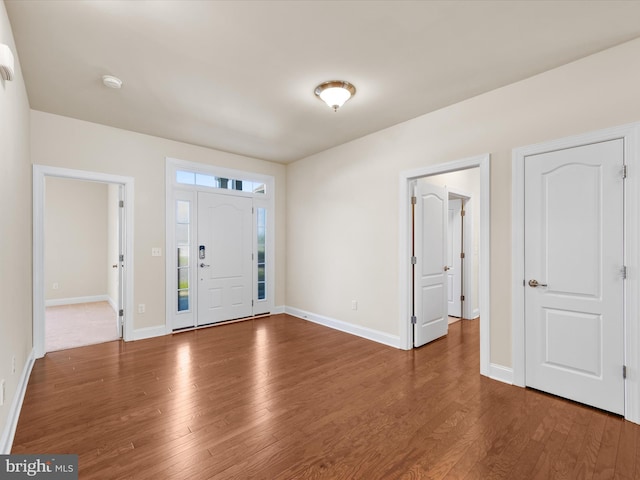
(40, 172)
(174, 191)
(631, 135)
(407, 178)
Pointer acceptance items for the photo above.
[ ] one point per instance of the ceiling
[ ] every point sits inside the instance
(239, 76)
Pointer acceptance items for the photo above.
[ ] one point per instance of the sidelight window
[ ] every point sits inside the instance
(183, 245)
(262, 230)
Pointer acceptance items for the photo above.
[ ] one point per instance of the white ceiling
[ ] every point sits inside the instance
(239, 76)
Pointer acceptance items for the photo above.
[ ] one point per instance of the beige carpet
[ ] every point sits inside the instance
(70, 326)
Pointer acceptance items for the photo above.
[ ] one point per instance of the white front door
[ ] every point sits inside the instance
(454, 262)
(224, 251)
(573, 269)
(430, 282)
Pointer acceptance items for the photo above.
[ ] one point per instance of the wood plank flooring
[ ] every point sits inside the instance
(282, 398)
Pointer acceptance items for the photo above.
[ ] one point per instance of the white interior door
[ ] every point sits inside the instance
(225, 247)
(574, 252)
(454, 262)
(430, 236)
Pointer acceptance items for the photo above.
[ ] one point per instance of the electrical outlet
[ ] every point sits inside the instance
(2, 392)
(13, 364)
(354, 304)
(156, 252)
(141, 308)
(56, 285)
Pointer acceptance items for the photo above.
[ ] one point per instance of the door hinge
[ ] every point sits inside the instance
(461, 254)
(414, 319)
(623, 271)
(462, 298)
(624, 371)
(463, 213)
(121, 203)
(121, 313)
(122, 258)
(252, 303)
(624, 171)
(414, 200)
(414, 260)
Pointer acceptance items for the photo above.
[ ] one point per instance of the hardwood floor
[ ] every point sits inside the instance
(282, 398)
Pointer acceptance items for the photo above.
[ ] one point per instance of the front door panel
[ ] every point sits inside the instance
(225, 286)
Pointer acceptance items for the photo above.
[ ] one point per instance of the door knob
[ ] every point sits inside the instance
(202, 265)
(114, 266)
(446, 269)
(534, 283)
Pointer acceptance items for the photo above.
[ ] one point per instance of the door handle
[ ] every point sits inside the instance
(446, 269)
(202, 265)
(534, 283)
(114, 266)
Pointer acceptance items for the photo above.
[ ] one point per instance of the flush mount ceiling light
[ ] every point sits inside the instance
(111, 81)
(335, 93)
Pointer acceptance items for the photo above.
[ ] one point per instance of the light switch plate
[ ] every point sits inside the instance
(156, 252)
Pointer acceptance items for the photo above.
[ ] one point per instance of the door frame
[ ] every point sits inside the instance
(40, 172)
(631, 136)
(469, 255)
(173, 190)
(404, 282)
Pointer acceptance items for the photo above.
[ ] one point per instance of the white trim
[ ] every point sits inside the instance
(631, 135)
(364, 332)
(175, 191)
(475, 314)
(39, 174)
(75, 300)
(278, 310)
(149, 332)
(484, 277)
(9, 432)
(112, 303)
(500, 373)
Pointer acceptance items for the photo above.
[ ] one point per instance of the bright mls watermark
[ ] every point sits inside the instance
(50, 467)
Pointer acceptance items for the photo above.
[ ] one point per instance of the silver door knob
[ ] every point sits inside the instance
(534, 283)
(202, 265)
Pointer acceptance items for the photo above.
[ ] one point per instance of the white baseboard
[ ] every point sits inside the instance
(74, 300)
(364, 332)
(113, 304)
(6, 440)
(500, 373)
(278, 310)
(149, 332)
(475, 314)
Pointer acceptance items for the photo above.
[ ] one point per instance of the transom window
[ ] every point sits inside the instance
(186, 177)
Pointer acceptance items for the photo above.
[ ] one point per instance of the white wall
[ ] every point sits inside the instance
(76, 239)
(15, 230)
(343, 203)
(65, 142)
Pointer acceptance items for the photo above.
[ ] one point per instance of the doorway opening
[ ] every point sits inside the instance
(538, 279)
(82, 257)
(82, 268)
(408, 182)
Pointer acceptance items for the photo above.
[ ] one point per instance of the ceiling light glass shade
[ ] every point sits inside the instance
(335, 93)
